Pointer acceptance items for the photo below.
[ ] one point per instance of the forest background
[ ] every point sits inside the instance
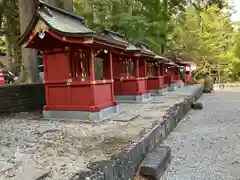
(195, 30)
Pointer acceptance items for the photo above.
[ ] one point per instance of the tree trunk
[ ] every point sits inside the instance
(68, 5)
(29, 56)
(86, 6)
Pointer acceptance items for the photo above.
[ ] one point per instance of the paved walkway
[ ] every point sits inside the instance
(206, 144)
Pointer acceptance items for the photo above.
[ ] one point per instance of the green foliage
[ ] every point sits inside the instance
(207, 36)
(138, 20)
(9, 23)
(3, 49)
(199, 29)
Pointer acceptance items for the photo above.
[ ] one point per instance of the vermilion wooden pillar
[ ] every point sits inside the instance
(165, 74)
(143, 68)
(158, 71)
(108, 67)
(177, 75)
(188, 73)
(162, 70)
(170, 75)
(136, 63)
(118, 67)
(91, 66)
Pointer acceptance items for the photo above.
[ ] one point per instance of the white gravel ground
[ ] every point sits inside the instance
(206, 144)
(28, 143)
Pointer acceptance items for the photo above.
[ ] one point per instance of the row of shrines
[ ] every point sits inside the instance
(131, 73)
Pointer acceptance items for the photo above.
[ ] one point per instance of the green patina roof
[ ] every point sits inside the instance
(58, 20)
(119, 37)
(141, 47)
(145, 49)
(63, 22)
(132, 47)
(162, 58)
(115, 36)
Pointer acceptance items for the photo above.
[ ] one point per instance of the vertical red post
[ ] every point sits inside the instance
(91, 66)
(110, 65)
(110, 75)
(142, 68)
(161, 69)
(158, 71)
(117, 66)
(136, 64)
(170, 70)
(145, 68)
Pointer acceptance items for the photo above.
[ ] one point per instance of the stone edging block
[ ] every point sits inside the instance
(156, 162)
(126, 164)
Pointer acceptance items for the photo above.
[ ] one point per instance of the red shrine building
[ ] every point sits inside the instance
(69, 48)
(131, 73)
(130, 70)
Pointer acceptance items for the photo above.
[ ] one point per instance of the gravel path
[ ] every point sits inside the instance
(206, 144)
(30, 145)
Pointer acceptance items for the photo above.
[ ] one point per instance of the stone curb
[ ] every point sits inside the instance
(155, 163)
(126, 164)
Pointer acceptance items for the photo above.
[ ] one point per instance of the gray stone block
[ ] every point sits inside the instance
(157, 92)
(207, 91)
(143, 98)
(83, 116)
(155, 163)
(197, 105)
(85, 174)
(172, 87)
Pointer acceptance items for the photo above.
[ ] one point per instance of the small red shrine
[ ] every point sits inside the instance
(156, 81)
(130, 70)
(187, 69)
(69, 48)
(173, 67)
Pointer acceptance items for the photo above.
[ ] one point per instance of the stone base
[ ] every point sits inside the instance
(143, 98)
(84, 116)
(172, 87)
(157, 92)
(165, 90)
(180, 84)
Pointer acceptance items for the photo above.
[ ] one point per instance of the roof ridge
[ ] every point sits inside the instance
(43, 3)
(142, 44)
(114, 33)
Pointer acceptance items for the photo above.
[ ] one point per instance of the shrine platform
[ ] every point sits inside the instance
(85, 116)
